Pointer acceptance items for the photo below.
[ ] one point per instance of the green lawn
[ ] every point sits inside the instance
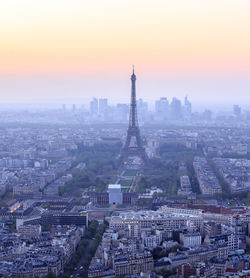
(125, 189)
(130, 173)
(125, 183)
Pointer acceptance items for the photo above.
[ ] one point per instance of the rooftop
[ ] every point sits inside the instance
(114, 186)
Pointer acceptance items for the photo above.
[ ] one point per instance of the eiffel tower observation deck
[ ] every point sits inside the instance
(133, 144)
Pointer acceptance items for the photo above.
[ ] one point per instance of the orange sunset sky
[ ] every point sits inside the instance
(55, 50)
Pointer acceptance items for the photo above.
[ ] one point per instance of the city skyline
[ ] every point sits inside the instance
(125, 138)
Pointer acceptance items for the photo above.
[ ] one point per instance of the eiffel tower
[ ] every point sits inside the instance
(133, 132)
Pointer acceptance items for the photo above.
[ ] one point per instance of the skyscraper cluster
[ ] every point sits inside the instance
(99, 106)
(164, 110)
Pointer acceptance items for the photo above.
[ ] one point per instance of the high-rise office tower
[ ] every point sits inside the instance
(207, 115)
(94, 106)
(103, 106)
(237, 110)
(161, 108)
(142, 107)
(176, 113)
(187, 105)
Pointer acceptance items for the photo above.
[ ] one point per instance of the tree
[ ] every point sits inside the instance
(51, 275)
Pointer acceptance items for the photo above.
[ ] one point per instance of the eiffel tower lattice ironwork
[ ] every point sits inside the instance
(133, 131)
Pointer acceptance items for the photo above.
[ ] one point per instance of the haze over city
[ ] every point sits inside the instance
(124, 139)
(70, 51)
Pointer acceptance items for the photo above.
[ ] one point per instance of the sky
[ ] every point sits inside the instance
(72, 50)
